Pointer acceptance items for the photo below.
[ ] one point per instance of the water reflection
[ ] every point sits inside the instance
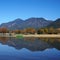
(33, 44)
(29, 49)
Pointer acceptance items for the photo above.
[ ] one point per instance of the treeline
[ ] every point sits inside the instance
(32, 31)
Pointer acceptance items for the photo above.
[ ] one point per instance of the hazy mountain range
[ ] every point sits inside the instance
(31, 23)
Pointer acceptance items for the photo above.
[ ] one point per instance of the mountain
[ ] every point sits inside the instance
(22, 24)
(36, 23)
(55, 24)
(16, 24)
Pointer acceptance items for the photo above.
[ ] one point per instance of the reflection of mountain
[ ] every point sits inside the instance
(56, 44)
(33, 44)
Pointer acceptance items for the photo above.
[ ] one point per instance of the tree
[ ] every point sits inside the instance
(51, 30)
(46, 30)
(30, 30)
(16, 31)
(58, 30)
(40, 31)
(4, 30)
(23, 31)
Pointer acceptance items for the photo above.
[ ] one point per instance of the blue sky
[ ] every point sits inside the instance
(12, 9)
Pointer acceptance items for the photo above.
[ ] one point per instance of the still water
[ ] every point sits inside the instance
(29, 49)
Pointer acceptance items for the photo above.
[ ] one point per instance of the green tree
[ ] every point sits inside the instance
(46, 30)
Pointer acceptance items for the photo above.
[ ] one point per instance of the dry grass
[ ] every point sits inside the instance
(43, 35)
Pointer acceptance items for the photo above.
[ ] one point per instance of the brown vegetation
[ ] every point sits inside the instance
(4, 30)
(32, 31)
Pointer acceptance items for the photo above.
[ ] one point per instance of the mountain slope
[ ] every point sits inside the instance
(36, 23)
(22, 24)
(55, 24)
(16, 24)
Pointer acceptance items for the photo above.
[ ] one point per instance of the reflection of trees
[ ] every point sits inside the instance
(55, 42)
(29, 39)
(58, 39)
(33, 44)
(50, 40)
(4, 39)
(36, 44)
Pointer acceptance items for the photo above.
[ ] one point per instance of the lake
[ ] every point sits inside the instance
(29, 49)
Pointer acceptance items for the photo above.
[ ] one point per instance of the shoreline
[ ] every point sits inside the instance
(44, 35)
(34, 35)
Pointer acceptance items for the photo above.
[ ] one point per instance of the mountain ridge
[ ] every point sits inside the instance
(28, 23)
(55, 24)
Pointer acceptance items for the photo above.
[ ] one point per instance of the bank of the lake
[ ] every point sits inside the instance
(29, 35)
(39, 35)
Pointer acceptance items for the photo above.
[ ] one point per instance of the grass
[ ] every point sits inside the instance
(19, 36)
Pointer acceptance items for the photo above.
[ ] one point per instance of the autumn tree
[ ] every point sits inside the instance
(16, 31)
(30, 30)
(23, 31)
(58, 30)
(51, 30)
(40, 31)
(4, 30)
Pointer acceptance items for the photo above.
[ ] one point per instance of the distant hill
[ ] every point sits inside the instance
(55, 24)
(28, 23)
(16, 24)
